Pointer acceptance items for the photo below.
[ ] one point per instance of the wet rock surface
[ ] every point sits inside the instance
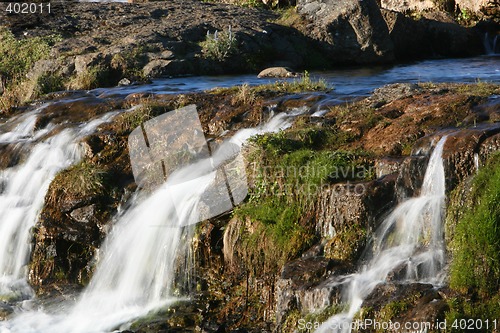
(405, 122)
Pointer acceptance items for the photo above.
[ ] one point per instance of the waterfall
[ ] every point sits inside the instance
(491, 43)
(410, 237)
(136, 269)
(23, 188)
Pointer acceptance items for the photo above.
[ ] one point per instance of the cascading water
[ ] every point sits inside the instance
(136, 271)
(23, 188)
(491, 43)
(411, 236)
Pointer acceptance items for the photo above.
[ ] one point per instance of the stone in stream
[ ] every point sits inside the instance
(278, 72)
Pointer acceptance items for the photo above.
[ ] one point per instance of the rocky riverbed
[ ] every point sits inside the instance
(247, 276)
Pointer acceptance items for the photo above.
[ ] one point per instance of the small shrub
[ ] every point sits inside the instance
(244, 95)
(219, 45)
(49, 82)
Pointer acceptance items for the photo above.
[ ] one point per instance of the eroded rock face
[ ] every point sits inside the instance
(351, 30)
(362, 204)
(303, 286)
(437, 37)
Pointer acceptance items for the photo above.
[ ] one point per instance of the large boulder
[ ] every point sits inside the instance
(437, 37)
(353, 31)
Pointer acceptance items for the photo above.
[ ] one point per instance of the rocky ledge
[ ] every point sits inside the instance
(248, 274)
(120, 43)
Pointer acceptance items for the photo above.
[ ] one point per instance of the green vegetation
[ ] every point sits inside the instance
(302, 84)
(18, 58)
(19, 55)
(464, 312)
(297, 85)
(49, 82)
(347, 244)
(473, 233)
(82, 180)
(480, 88)
(322, 315)
(287, 171)
(219, 45)
(475, 245)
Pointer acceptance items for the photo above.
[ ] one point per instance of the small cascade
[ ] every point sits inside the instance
(491, 43)
(411, 237)
(23, 188)
(476, 162)
(135, 272)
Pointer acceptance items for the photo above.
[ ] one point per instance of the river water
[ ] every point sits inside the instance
(352, 82)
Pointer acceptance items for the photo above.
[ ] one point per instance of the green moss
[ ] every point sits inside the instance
(347, 244)
(475, 246)
(287, 170)
(318, 317)
(392, 310)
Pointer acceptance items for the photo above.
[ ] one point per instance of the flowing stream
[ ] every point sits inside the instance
(136, 265)
(411, 236)
(137, 268)
(23, 189)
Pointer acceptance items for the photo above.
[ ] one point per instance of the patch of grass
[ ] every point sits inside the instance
(130, 120)
(49, 82)
(480, 88)
(299, 85)
(19, 55)
(475, 246)
(18, 58)
(244, 95)
(93, 77)
(287, 170)
(302, 84)
(81, 180)
(220, 45)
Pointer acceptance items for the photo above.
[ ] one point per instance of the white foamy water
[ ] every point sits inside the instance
(139, 257)
(22, 193)
(410, 238)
